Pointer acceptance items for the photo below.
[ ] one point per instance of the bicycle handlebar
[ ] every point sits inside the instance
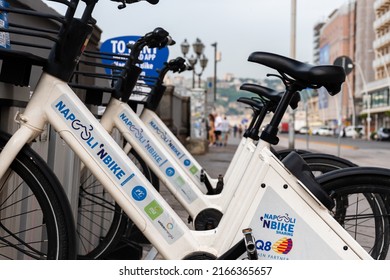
(158, 38)
(153, 2)
(124, 2)
(176, 65)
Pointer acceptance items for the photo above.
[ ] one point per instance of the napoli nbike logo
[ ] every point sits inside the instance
(91, 139)
(137, 132)
(76, 124)
(170, 171)
(169, 142)
(139, 193)
(160, 132)
(85, 133)
(281, 224)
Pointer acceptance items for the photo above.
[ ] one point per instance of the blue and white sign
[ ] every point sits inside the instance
(152, 59)
(139, 193)
(170, 171)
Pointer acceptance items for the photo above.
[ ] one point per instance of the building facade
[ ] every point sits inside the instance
(361, 31)
(337, 38)
(376, 103)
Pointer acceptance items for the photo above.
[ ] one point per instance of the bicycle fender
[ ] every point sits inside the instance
(356, 174)
(343, 161)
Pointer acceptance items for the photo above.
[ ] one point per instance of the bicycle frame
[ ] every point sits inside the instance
(165, 137)
(158, 157)
(54, 102)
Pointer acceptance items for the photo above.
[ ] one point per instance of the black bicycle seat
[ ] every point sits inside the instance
(270, 94)
(329, 76)
(256, 105)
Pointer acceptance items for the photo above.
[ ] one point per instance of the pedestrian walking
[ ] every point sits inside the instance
(225, 129)
(218, 130)
(211, 131)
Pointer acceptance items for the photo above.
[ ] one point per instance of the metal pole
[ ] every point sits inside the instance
(215, 71)
(291, 132)
(193, 77)
(293, 28)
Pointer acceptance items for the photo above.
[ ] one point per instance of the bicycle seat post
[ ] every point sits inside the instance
(271, 130)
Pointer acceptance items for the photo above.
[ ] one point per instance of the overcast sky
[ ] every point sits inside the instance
(239, 27)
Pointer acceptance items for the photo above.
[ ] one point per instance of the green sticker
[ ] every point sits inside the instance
(153, 209)
(180, 181)
(193, 169)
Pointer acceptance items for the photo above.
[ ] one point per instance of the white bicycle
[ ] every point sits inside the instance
(204, 199)
(287, 216)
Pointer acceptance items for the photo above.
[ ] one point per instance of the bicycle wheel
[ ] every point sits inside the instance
(322, 163)
(101, 223)
(281, 154)
(361, 208)
(35, 217)
(319, 163)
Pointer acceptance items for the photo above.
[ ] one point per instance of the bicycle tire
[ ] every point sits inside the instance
(35, 216)
(101, 223)
(320, 163)
(348, 187)
(281, 154)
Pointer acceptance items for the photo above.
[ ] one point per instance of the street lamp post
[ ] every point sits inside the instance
(215, 71)
(198, 47)
(367, 99)
(291, 128)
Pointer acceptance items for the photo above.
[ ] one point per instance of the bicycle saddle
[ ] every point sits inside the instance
(270, 94)
(256, 105)
(329, 76)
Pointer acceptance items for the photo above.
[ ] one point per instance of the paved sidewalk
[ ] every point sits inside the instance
(217, 159)
(368, 156)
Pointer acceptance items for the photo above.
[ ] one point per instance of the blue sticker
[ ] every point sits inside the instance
(139, 193)
(170, 171)
(187, 162)
(152, 60)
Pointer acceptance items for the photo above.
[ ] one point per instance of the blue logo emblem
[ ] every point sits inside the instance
(170, 171)
(187, 162)
(139, 193)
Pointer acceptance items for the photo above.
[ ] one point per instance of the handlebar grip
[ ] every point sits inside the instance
(153, 2)
(124, 2)
(170, 41)
(158, 38)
